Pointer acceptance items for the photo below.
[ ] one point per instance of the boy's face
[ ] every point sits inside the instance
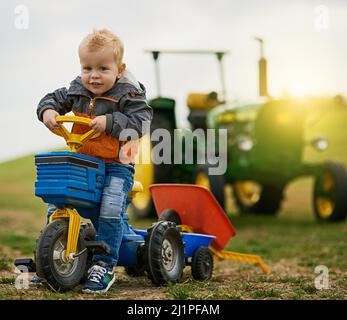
(99, 70)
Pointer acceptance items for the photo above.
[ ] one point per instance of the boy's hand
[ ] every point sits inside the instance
(98, 123)
(48, 118)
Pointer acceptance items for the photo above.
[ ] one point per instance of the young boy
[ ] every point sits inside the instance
(110, 95)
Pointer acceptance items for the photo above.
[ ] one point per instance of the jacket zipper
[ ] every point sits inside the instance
(91, 106)
(93, 101)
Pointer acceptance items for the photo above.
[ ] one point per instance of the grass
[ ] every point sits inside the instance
(292, 243)
(22, 243)
(17, 187)
(5, 262)
(302, 239)
(191, 290)
(262, 294)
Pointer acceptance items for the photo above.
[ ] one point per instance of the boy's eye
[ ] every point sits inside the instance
(103, 68)
(87, 68)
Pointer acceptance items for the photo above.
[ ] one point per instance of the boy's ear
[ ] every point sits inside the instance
(121, 70)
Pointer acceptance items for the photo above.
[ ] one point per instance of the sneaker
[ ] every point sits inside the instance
(36, 280)
(100, 279)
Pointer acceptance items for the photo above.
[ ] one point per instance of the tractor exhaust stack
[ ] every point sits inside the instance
(262, 65)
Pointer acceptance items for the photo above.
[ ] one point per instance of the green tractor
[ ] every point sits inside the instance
(165, 118)
(265, 146)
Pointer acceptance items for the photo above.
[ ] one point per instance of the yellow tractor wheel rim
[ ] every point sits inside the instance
(203, 180)
(325, 205)
(328, 182)
(248, 192)
(144, 172)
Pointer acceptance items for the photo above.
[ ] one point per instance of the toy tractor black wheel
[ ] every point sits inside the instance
(138, 270)
(202, 264)
(149, 172)
(88, 233)
(214, 183)
(60, 274)
(170, 215)
(165, 253)
(251, 197)
(330, 193)
(135, 271)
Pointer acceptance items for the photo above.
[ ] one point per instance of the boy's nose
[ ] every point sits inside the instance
(95, 74)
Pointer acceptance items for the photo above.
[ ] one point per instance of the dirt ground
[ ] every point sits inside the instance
(231, 280)
(292, 274)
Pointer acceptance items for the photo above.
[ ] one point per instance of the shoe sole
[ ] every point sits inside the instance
(101, 291)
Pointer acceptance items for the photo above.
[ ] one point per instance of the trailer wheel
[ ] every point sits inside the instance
(165, 253)
(170, 215)
(62, 275)
(202, 264)
(329, 193)
(214, 183)
(251, 197)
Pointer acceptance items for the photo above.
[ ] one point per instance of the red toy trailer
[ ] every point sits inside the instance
(195, 209)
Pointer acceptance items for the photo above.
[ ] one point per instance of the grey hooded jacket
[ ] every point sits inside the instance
(127, 110)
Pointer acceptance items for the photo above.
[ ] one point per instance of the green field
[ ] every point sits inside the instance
(292, 244)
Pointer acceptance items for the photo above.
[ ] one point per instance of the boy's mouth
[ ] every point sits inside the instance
(97, 84)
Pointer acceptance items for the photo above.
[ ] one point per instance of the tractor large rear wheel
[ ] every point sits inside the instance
(330, 193)
(148, 172)
(214, 183)
(252, 197)
(145, 172)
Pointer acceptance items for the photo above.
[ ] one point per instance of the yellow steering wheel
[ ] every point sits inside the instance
(74, 140)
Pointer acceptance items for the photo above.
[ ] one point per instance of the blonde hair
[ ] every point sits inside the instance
(104, 38)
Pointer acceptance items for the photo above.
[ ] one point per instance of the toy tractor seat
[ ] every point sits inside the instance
(197, 208)
(202, 101)
(137, 187)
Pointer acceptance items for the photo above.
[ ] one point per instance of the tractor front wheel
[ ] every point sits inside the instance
(330, 193)
(252, 197)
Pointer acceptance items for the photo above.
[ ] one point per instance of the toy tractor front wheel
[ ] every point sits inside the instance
(330, 193)
(170, 215)
(164, 253)
(60, 273)
(252, 197)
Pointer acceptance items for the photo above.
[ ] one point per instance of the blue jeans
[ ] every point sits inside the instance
(119, 180)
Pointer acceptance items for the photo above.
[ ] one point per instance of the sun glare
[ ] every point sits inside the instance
(301, 89)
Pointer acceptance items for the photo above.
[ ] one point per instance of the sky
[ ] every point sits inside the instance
(304, 44)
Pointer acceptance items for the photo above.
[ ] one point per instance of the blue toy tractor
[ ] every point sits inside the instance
(73, 182)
